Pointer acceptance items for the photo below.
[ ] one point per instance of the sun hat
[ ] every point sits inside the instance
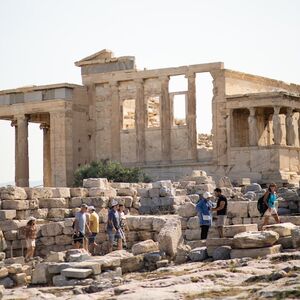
(114, 203)
(91, 207)
(207, 195)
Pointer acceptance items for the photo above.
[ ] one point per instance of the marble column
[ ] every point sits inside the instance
(22, 158)
(14, 124)
(191, 117)
(277, 130)
(253, 130)
(166, 119)
(46, 154)
(140, 121)
(290, 128)
(116, 122)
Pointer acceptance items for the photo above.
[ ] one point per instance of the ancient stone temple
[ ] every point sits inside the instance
(127, 115)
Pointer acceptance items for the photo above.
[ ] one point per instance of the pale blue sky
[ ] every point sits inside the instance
(41, 39)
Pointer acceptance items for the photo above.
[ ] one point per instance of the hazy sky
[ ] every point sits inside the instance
(41, 39)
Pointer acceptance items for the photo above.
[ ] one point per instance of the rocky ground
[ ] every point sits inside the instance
(273, 277)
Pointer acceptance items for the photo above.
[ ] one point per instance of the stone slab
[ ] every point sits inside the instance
(283, 229)
(76, 273)
(255, 252)
(232, 230)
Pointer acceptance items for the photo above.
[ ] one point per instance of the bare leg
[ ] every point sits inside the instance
(28, 253)
(110, 248)
(32, 252)
(276, 218)
(266, 221)
(77, 245)
(120, 246)
(220, 230)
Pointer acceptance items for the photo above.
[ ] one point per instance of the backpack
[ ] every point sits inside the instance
(261, 206)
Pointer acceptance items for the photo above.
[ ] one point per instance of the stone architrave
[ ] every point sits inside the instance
(253, 131)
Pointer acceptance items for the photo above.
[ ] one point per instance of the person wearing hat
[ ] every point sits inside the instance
(113, 226)
(80, 226)
(30, 236)
(94, 227)
(203, 208)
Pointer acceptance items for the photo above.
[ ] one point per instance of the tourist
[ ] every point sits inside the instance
(221, 210)
(270, 199)
(80, 226)
(203, 208)
(113, 226)
(94, 227)
(123, 224)
(30, 236)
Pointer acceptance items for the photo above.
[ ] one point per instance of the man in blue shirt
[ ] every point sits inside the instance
(203, 208)
(114, 226)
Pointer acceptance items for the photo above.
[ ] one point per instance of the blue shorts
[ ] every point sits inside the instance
(92, 238)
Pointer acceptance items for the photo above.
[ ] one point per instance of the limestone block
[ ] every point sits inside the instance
(158, 223)
(221, 253)
(75, 202)
(61, 192)
(283, 229)
(56, 257)
(193, 223)
(7, 282)
(255, 252)
(232, 230)
(20, 279)
(14, 268)
(237, 209)
(182, 254)
(78, 192)
(180, 192)
(96, 182)
(94, 266)
(125, 200)
(99, 202)
(23, 214)
(126, 192)
(192, 234)
(52, 229)
(13, 193)
(243, 181)
(255, 239)
(11, 235)
(247, 221)
(196, 243)
(202, 188)
(224, 182)
(63, 240)
(12, 224)
(286, 242)
(40, 274)
(68, 230)
(254, 187)
(237, 220)
(187, 210)
(214, 243)
(132, 264)
(56, 268)
(252, 209)
(7, 215)
(103, 215)
(53, 203)
(59, 280)
(99, 192)
(15, 204)
(144, 247)
(296, 237)
(76, 273)
(198, 254)
(3, 272)
(170, 236)
(162, 183)
(250, 195)
(40, 213)
(15, 260)
(143, 192)
(154, 193)
(293, 219)
(58, 213)
(39, 193)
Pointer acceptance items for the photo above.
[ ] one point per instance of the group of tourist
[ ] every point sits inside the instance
(205, 207)
(86, 227)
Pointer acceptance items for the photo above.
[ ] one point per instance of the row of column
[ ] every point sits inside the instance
(290, 127)
(21, 152)
(141, 120)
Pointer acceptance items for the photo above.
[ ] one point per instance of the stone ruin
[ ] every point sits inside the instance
(127, 115)
(163, 228)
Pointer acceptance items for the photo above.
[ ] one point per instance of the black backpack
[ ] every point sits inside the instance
(261, 206)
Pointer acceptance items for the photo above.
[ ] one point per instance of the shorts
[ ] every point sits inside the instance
(112, 236)
(30, 243)
(92, 238)
(78, 237)
(221, 220)
(270, 212)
